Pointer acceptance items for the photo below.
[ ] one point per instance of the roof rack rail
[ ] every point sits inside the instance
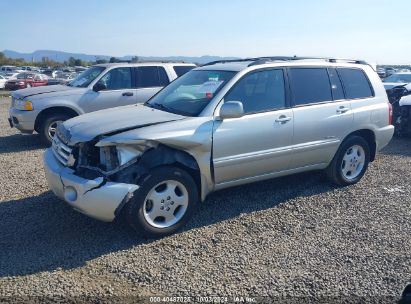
(230, 60)
(267, 59)
(263, 60)
(149, 61)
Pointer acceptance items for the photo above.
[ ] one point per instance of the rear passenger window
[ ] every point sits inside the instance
(259, 91)
(336, 86)
(182, 69)
(151, 76)
(355, 83)
(310, 85)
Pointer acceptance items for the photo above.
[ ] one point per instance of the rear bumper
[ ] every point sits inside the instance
(383, 136)
(95, 198)
(13, 87)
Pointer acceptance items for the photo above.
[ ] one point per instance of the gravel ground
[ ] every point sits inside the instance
(297, 236)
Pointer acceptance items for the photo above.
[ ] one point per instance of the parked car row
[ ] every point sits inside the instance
(26, 80)
(388, 71)
(10, 71)
(151, 155)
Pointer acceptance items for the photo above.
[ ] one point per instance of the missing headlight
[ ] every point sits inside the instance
(108, 158)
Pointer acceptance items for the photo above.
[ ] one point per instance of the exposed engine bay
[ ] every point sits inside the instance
(400, 98)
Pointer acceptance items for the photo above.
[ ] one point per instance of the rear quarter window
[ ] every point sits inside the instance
(356, 83)
(182, 69)
(151, 76)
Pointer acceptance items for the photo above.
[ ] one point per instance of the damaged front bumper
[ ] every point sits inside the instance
(95, 198)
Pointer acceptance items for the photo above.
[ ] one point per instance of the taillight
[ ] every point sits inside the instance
(389, 113)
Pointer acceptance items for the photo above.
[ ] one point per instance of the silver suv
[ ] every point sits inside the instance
(220, 125)
(102, 86)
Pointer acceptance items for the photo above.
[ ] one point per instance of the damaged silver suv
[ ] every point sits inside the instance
(220, 125)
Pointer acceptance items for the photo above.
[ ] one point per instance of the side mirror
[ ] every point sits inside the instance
(99, 86)
(232, 109)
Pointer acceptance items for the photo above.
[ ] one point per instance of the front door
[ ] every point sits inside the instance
(259, 143)
(118, 91)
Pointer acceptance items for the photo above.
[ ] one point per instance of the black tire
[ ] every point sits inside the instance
(44, 127)
(406, 295)
(134, 210)
(334, 170)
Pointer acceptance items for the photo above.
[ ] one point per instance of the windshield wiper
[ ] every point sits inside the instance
(160, 106)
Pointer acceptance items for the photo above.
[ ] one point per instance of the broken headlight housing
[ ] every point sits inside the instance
(125, 154)
(108, 158)
(112, 157)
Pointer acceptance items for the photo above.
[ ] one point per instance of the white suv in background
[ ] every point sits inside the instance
(100, 87)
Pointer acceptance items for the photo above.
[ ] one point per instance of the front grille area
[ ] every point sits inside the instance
(61, 151)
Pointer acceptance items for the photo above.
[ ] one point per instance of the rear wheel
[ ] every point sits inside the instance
(48, 128)
(165, 201)
(350, 162)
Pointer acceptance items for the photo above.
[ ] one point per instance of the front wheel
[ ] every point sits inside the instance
(350, 162)
(164, 202)
(48, 128)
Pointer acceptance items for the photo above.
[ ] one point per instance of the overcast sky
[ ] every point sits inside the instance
(378, 31)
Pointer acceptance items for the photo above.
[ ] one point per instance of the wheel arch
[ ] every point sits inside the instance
(53, 110)
(369, 136)
(162, 155)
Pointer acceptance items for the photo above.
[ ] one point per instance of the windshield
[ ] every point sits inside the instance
(23, 76)
(87, 77)
(399, 78)
(191, 93)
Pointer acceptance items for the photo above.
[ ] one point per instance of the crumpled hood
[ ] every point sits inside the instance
(47, 91)
(86, 127)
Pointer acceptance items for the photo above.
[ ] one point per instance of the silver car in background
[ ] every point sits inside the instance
(102, 86)
(220, 125)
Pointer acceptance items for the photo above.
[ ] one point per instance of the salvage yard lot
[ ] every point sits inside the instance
(294, 236)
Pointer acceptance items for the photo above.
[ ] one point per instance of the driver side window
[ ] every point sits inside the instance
(259, 91)
(116, 79)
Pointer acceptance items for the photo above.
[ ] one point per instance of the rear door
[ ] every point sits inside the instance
(322, 115)
(149, 80)
(259, 143)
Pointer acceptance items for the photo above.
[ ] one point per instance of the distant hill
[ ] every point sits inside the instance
(62, 56)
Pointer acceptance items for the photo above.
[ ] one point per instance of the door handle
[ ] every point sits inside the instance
(342, 110)
(283, 119)
(127, 94)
